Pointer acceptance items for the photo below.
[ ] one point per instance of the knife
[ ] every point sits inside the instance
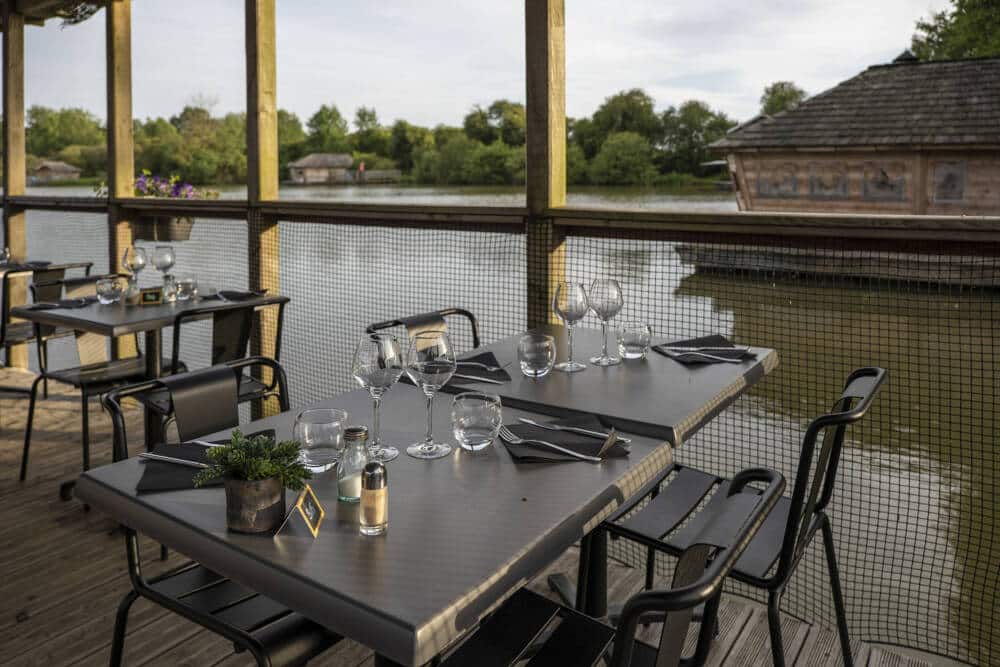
(170, 459)
(572, 429)
(477, 379)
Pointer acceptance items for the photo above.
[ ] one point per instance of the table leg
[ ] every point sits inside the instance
(382, 661)
(154, 356)
(595, 602)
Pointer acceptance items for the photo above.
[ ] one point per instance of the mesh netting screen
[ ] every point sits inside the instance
(343, 277)
(914, 511)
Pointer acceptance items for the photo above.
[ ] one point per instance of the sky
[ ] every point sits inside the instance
(430, 61)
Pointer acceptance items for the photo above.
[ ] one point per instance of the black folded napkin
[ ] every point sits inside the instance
(166, 476)
(581, 444)
(714, 341)
(80, 302)
(487, 358)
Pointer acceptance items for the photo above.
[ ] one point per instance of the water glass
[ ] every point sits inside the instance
(187, 288)
(537, 354)
(475, 419)
(634, 339)
(320, 432)
(109, 291)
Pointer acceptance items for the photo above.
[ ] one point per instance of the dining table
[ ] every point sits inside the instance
(119, 319)
(465, 532)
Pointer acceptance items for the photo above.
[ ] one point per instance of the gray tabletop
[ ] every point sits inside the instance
(120, 319)
(464, 532)
(656, 396)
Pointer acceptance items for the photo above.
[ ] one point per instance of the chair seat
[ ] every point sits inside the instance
(105, 374)
(670, 513)
(24, 332)
(287, 637)
(517, 630)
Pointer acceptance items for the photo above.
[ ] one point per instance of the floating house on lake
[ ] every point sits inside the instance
(908, 137)
(49, 171)
(321, 169)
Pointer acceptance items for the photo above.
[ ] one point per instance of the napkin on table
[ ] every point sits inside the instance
(582, 444)
(166, 476)
(715, 341)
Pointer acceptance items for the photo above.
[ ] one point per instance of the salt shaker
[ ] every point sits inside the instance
(352, 463)
(374, 499)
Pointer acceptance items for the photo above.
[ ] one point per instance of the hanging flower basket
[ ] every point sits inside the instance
(162, 228)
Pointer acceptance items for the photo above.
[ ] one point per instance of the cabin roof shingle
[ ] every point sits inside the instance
(323, 161)
(903, 103)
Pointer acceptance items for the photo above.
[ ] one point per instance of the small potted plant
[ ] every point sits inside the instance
(256, 471)
(162, 227)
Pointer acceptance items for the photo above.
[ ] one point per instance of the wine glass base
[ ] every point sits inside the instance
(383, 454)
(605, 361)
(570, 366)
(423, 450)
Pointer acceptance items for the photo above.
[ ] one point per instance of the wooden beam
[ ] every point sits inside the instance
(14, 172)
(545, 110)
(262, 172)
(121, 153)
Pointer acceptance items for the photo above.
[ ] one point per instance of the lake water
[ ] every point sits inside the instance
(915, 513)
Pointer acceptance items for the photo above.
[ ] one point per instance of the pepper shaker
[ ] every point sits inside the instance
(374, 499)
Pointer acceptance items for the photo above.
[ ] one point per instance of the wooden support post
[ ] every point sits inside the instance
(545, 59)
(121, 160)
(262, 167)
(14, 232)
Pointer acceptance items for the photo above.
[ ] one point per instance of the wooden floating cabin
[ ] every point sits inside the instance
(335, 169)
(908, 137)
(50, 171)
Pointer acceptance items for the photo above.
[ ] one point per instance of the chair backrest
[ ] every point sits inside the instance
(433, 320)
(9, 279)
(817, 470)
(701, 570)
(231, 331)
(92, 348)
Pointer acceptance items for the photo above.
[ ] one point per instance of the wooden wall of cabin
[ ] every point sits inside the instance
(922, 182)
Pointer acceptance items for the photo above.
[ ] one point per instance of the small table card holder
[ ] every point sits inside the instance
(151, 296)
(308, 507)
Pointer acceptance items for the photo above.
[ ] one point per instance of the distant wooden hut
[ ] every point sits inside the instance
(906, 137)
(321, 168)
(48, 171)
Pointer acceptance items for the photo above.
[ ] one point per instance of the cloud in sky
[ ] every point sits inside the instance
(430, 61)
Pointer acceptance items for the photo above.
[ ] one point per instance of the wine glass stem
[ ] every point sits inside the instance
(569, 342)
(430, 422)
(376, 439)
(604, 339)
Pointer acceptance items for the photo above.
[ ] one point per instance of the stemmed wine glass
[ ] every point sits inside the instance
(134, 261)
(430, 363)
(378, 364)
(570, 304)
(606, 301)
(4, 256)
(163, 258)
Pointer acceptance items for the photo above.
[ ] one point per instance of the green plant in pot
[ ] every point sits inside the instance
(256, 470)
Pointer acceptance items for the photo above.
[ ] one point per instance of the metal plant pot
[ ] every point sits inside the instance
(162, 228)
(254, 507)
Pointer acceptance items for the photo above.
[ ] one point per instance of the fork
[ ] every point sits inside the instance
(571, 429)
(485, 367)
(704, 355)
(508, 436)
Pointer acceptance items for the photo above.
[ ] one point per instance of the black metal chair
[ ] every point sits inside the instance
(20, 332)
(522, 628)
(667, 524)
(96, 374)
(272, 633)
(231, 331)
(433, 320)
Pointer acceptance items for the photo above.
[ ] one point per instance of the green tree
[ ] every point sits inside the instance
(370, 136)
(576, 165)
(503, 120)
(625, 158)
(478, 127)
(443, 134)
(291, 140)
(688, 130)
(781, 96)
(92, 160)
(327, 131)
(627, 111)
(48, 131)
(583, 133)
(970, 29)
(404, 140)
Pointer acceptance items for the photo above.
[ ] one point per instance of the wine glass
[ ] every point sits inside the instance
(5, 256)
(570, 304)
(378, 364)
(606, 301)
(134, 261)
(430, 363)
(164, 258)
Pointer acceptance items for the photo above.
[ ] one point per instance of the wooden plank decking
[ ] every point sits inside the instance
(64, 570)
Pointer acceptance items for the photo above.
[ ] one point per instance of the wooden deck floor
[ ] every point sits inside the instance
(64, 571)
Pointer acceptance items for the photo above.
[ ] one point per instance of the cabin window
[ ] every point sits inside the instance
(828, 181)
(949, 181)
(884, 181)
(777, 181)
